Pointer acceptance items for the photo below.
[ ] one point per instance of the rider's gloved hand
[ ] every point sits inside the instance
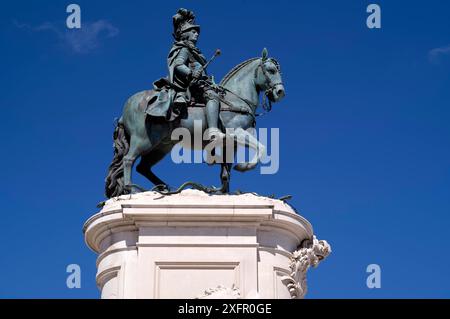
(196, 74)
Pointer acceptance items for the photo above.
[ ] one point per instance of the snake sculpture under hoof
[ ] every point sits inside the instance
(194, 185)
(165, 191)
(208, 190)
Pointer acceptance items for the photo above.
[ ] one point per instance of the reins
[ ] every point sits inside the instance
(266, 107)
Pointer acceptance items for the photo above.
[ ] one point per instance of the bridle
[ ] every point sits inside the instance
(269, 90)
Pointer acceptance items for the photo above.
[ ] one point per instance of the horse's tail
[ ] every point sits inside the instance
(114, 185)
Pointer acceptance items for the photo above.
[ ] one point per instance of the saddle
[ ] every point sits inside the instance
(158, 102)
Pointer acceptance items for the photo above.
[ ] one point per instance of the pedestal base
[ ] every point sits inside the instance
(195, 245)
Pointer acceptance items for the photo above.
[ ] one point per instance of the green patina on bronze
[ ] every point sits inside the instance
(188, 94)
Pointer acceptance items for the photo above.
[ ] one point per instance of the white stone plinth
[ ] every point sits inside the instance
(195, 245)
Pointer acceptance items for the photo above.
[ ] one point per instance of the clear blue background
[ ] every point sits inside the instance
(364, 132)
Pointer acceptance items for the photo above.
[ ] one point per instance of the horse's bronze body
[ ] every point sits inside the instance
(138, 135)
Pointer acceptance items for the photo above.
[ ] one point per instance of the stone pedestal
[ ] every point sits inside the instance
(195, 245)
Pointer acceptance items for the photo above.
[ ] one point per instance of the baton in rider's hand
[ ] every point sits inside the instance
(198, 73)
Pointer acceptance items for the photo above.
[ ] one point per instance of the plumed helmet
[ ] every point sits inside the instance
(183, 21)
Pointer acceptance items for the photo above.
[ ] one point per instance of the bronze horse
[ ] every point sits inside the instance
(137, 135)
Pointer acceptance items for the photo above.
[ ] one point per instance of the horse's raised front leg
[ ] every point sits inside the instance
(246, 139)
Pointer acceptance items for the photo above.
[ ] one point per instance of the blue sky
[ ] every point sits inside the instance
(364, 131)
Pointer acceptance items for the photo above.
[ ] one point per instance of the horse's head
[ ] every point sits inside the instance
(268, 77)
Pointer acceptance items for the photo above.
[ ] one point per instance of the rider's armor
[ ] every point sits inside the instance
(184, 58)
(182, 61)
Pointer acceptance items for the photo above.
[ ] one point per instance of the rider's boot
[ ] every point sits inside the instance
(212, 117)
(180, 100)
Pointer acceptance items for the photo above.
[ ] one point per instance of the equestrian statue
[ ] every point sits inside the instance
(186, 97)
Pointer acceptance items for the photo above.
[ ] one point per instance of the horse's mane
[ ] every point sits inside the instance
(234, 70)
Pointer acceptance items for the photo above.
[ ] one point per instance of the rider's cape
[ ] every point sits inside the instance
(157, 102)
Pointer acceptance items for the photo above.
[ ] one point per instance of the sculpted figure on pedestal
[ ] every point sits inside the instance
(186, 97)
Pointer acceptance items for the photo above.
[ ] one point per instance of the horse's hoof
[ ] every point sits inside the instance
(243, 167)
(133, 189)
(163, 188)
